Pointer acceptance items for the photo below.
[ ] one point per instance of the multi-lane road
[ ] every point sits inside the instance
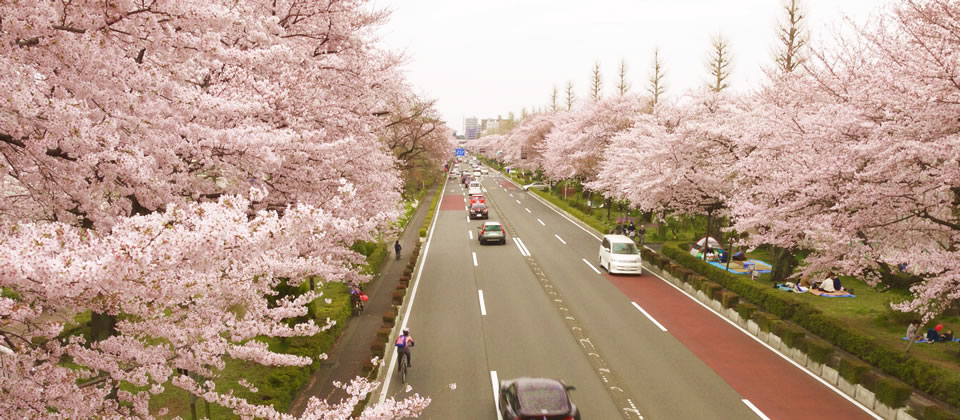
(633, 346)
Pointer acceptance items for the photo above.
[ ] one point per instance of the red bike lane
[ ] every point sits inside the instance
(775, 386)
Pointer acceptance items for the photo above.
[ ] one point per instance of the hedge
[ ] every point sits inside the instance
(852, 369)
(924, 376)
(892, 392)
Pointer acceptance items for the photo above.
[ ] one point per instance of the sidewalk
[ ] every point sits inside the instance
(352, 348)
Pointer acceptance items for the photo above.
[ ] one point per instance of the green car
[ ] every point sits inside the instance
(492, 232)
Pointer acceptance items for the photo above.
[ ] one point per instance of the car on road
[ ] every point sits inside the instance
(477, 199)
(535, 185)
(492, 232)
(476, 173)
(479, 211)
(475, 191)
(619, 254)
(484, 171)
(536, 398)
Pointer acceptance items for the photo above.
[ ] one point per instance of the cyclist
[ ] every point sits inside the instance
(404, 342)
(355, 298)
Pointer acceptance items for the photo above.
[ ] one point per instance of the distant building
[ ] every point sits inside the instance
(471, 128)
(489, 126)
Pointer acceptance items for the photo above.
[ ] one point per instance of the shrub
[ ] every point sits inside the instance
(763, 320)
(790, 333)
(710, 288)
(817, 349)
(697, 281)
(378, 347)
(384, 333)
(853, 370)
(729, 299)
(933, 412)
(389, 317)
(746, 309)
(892, 392)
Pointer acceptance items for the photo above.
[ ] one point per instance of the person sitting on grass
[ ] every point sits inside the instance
(832, 285)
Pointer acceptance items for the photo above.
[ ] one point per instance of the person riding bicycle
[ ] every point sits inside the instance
(355, 298)
(403, 343)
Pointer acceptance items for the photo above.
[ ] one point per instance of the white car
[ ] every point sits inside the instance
(475, 191)
(477, 173)
(483, 171)
(536, 185)
(618, 254)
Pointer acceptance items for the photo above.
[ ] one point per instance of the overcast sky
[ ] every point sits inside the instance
(487, 58)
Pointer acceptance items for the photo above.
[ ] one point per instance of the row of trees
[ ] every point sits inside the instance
(849, 151)
(165, 166)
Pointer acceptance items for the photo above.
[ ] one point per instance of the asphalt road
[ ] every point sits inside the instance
(634, 346)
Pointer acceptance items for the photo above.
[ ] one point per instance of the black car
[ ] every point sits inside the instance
(536, 398)
(478, 211)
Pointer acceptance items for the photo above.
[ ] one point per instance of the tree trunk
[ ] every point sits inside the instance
(608, 208)
(706, 240)
(102, 326)
(783, 264)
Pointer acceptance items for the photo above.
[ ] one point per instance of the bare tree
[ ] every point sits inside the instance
(792, 34)
(622, 85)
(570, 97)
(719, 64)
(554, 95)
(595, 83)
(656, 88)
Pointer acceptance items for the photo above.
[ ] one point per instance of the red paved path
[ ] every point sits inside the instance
(452, 202)
(776, 387)
(507, 185)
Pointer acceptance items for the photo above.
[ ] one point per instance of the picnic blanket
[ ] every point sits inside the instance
(736, 267)
(827, 294)
(925, 340)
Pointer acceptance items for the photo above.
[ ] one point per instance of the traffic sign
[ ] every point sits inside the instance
(461, 152)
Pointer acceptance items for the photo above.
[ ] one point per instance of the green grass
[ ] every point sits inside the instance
(277, 386)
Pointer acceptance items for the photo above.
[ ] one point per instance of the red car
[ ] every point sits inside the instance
(478, 211)
(477, 199)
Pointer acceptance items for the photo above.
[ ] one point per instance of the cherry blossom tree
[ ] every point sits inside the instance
(418, 138)
(864, 169)
(578, 143)
(167, 165)
(678, 159)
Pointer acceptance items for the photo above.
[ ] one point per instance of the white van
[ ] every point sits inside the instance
(619, 254)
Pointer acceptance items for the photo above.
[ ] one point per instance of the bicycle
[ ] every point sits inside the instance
(357, 306)
(404, 365)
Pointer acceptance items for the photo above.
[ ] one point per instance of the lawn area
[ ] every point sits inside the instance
(870, 313)
(277, 386)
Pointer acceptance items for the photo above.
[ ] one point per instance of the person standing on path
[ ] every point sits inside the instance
(397, 247)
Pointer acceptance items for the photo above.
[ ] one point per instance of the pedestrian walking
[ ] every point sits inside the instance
(397, 247)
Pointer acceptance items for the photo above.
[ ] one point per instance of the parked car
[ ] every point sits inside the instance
(536, 185)
(492, 231)
(536, 398)
(620, 255)
(478, 211)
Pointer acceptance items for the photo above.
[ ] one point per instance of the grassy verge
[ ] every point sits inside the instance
(277, 386)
